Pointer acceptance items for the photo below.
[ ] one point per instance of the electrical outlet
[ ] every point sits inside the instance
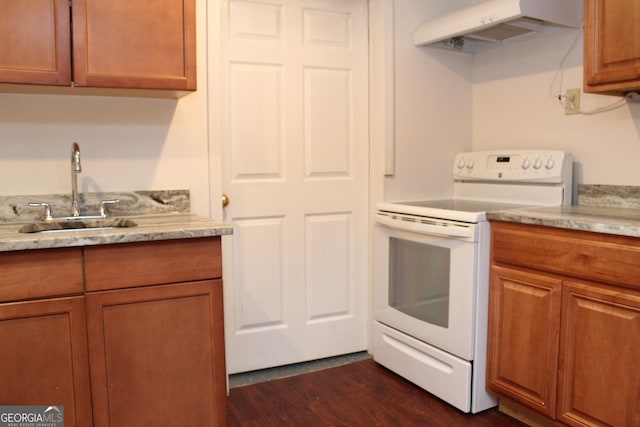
(572, 101)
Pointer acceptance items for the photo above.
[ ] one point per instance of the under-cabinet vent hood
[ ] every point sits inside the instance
(494, 22)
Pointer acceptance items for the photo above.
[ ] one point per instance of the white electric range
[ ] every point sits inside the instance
(431, 269)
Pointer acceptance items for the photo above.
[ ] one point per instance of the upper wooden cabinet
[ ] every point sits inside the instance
(34, 42)
(142, 44)
(149, 44)
(611, 46)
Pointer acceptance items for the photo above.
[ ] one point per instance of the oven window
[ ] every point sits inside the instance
(419, 280)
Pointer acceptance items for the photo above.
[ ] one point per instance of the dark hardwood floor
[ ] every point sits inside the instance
(356, 394)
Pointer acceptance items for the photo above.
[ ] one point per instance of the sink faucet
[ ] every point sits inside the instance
(75, 169)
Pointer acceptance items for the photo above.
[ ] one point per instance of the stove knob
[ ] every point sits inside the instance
(470, 164)
(537, 164)
(550, 164)
(461, 163)
(526, 163)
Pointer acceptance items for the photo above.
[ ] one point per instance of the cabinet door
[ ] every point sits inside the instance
(146, 44)
(524, 326)
(35, 42)
(44, 357)
(157, 355)
(599, 375)
(612, 46)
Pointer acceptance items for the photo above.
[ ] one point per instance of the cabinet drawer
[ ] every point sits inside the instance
(587, 255)
(151, 263)
(42, 273)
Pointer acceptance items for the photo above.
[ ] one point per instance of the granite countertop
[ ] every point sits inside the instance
(609, 220)
(149, 228)
(159, 215)
(610, 209)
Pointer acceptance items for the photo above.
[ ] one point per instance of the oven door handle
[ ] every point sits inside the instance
(438, 228)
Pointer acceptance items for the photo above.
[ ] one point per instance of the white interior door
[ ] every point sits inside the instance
(293, 106)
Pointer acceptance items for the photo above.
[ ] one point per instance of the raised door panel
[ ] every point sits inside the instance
(524, 326)
(612, 46)
(599, 382)
(35, 42)
(157, 355)
(44, 358)
(144, 44)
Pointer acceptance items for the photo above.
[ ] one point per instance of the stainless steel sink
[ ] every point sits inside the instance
(76, 225)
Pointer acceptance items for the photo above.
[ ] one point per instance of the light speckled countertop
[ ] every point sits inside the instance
(159, 215)
(610, 209)
(620, 221)
(149, 228)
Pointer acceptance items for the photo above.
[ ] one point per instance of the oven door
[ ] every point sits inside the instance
(424, 283)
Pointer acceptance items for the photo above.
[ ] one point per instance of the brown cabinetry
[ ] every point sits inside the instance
(35, 42)
(525, 330)
(146, 44)
(565, 323)
(612, 46)
(156, 339)
(152, 355)
(44, 356)
(599, 376)
(140, 343)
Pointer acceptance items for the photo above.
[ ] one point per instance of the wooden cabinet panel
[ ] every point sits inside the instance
(600, 379)
(524, 327)
(34, 42)
(157, 355)
(40, 273)
(135, 44)
(44, 357)
(596, 355)
(612, 46)
(152, 263)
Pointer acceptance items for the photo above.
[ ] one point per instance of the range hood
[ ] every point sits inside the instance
(494, 22)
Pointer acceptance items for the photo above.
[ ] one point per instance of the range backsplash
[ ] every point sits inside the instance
(612, 196)
(17, 209)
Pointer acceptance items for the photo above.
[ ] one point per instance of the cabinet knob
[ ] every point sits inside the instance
(225, 200)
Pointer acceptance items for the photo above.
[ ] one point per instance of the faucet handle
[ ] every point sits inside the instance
(103, 206)
(47, 209)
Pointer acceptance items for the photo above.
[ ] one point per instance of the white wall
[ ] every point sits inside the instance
(445, 102)
(512, 108)
(433, 105)
(126, 143)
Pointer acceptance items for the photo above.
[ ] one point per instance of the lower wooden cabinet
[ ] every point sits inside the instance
(560, 344)
(599, 383)
(524, 325)
(142, 345)
(44, 360)
(153, 355)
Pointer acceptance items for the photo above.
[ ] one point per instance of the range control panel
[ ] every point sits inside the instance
(513, 165)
